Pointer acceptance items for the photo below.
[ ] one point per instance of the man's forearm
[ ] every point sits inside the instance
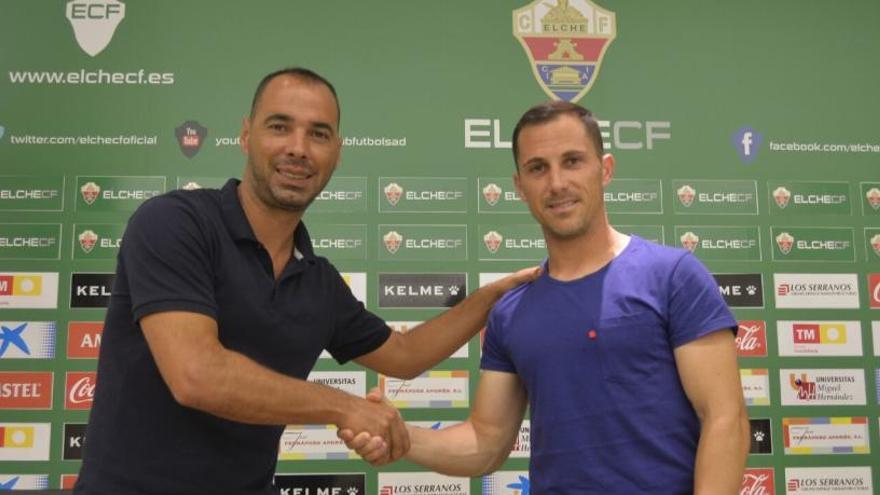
(232, 386)
(436, 339)
(455, 451)
(721, 455)
(426, 345)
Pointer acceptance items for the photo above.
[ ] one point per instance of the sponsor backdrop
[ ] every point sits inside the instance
(745, 132)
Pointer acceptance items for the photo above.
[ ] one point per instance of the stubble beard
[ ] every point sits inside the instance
(275, 196)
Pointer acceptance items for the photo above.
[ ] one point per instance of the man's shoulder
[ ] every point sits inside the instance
(645, 253)
(196, 200)
(511, 299)
(178, 204)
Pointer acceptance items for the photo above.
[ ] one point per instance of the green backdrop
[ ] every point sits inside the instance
(430, 92)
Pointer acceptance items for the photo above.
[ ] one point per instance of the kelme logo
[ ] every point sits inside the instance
(690, 241)
(190, 136)
(686, 195)
(90, 192)
(492, 193)
(94, 22)
(493, 240)
(393, 193)
(392, 241)
(785, 241)
(565, 41)
(87, 240)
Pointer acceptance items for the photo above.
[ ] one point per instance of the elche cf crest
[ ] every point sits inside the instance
(87, 240)
(785, 241)
(781, 196)
(873, 197)
(90, 192)
(686, 195)
(492, 193)
(565, 41)
(690, 240)
(875, 244)
(392, 241)
(393, 192)
(94, 22)
(492, 240)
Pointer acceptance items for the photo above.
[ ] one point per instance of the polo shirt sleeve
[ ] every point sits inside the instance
(495, 356)
(356, 331)
(696, 307)
(166, 260)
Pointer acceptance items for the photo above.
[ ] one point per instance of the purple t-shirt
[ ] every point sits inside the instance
(608, 412)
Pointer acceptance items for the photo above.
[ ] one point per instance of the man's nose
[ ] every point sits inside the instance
(556, 177)
(296, 144)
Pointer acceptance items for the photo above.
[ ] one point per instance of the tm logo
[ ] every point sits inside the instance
(747, 142)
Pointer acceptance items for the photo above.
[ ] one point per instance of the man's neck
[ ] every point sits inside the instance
(273, 227)
(576, 257)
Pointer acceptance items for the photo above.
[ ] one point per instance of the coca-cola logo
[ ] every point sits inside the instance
(874, 287)
(80, 390)
(751, 338)
(757, 482)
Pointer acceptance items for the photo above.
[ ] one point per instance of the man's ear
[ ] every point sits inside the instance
(607, 169)
(517, 185)
(244, 134)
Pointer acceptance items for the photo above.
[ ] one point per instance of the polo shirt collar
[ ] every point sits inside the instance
(238, 226)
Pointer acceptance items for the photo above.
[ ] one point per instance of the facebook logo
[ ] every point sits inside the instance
(747, 142)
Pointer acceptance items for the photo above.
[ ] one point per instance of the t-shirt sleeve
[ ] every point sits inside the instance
(356, 331)
(166, 260)
(495, 356)
(696, 307)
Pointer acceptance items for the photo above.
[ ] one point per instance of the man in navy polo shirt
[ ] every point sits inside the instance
(220, 309)
(622, 349)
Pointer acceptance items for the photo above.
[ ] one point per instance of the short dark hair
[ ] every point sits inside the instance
(551, 110)
(301, 73)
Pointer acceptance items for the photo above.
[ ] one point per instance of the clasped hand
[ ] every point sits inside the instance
(384, 441)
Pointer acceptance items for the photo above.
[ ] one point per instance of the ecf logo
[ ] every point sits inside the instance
(747, 142)
(94, 22)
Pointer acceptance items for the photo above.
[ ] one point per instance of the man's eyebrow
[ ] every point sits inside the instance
(537, 160)
(287, 119)
(278, 116)
(323, 125)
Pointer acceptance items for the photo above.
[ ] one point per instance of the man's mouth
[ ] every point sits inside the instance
(561, 205)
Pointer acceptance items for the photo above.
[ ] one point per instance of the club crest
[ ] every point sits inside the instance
(565, 41)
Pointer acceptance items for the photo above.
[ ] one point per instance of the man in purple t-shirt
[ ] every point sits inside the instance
(623, 350)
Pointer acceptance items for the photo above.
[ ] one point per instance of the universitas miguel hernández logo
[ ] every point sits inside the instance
(565, 41)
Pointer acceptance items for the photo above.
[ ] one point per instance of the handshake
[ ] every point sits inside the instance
(375, 430)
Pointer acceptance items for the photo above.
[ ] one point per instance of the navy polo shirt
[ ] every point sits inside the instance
(195, 251)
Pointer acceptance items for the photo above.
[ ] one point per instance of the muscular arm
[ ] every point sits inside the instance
(475, 447)
(408, 355)
(204, 375)
(710, 377)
